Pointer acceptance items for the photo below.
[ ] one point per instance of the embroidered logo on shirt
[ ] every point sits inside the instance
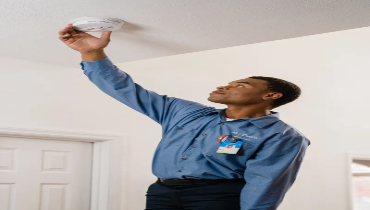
(241, 135)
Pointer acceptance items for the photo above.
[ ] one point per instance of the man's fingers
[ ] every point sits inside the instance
(106, 35)
(63, 38)
(62, 32)
(68, 29)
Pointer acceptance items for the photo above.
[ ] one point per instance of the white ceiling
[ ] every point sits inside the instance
(156, 28)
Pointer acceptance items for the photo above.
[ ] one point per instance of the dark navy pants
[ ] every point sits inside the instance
(219, 196)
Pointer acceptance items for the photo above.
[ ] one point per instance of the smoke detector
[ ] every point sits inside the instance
(96, 24)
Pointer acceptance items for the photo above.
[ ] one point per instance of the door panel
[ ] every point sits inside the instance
(44, 174)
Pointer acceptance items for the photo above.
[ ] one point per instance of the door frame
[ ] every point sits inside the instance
(108, 191)
(350, 157)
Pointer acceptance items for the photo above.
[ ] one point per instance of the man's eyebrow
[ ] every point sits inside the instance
(243, 82)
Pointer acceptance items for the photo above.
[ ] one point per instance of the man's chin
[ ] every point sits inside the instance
(215, 100)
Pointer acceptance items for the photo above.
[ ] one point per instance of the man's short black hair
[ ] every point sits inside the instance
(289, 90)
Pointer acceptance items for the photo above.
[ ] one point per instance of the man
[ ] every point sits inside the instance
(242, 157)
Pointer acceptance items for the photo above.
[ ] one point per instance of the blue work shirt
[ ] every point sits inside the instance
(269, 159)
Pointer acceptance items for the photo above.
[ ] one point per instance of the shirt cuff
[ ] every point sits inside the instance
(98, 64)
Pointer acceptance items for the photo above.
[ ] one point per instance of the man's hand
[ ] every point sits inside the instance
(89, 46)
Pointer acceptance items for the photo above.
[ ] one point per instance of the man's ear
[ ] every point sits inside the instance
(272, 96)
(277, 95)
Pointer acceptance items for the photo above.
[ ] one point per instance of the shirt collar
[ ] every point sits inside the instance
(260, 122)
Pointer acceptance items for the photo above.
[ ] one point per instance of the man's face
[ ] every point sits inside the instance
(241, 92)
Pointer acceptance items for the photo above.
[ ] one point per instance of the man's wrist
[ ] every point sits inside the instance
(93, 56)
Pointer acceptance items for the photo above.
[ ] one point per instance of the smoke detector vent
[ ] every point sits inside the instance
(96, 24)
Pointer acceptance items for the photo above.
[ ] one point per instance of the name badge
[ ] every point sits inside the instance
(230, 147)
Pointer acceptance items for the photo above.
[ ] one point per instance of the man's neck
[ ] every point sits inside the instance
(243, 112)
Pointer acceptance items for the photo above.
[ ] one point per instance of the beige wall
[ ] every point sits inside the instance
(332, 70)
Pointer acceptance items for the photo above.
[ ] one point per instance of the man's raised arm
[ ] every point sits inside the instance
(116, 83)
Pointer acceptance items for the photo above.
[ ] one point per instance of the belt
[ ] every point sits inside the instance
(197, 181)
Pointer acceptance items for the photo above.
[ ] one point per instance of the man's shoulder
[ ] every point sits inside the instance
(287, 130)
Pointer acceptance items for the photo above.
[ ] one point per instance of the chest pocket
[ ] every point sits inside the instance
(179, 135)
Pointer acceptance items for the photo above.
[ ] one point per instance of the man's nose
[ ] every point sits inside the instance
(222, 87)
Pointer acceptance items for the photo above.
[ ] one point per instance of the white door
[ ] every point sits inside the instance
(44, 174)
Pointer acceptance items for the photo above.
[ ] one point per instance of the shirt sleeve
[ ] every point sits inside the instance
(119, 85)
(272, 171)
